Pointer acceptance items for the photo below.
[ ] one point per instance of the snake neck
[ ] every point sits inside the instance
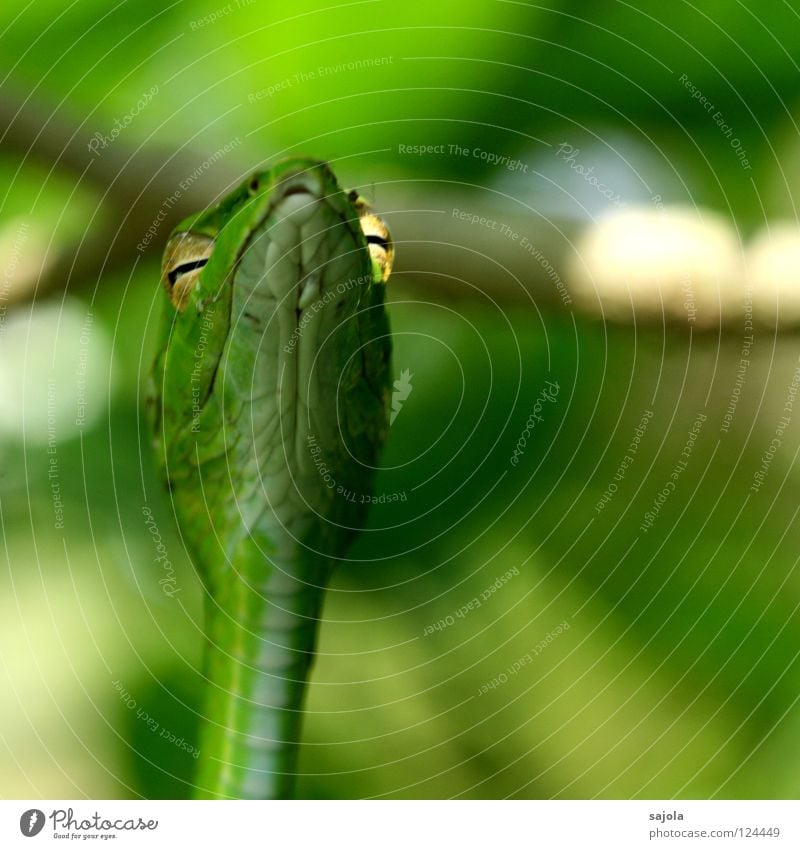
(260, 647)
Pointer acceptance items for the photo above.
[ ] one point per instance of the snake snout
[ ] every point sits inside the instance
(309, 181)
(297, 205)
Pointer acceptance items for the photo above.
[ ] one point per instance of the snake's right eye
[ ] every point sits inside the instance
(184, 258)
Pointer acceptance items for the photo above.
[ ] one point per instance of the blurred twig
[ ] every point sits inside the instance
(131, 185)
(134, 185)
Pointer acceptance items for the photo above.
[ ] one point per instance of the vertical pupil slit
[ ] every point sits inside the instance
(183, 268)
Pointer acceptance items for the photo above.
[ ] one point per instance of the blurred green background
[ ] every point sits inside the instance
(678, 675)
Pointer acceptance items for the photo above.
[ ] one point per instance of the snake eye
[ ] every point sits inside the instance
(184, 258)
(379, 240)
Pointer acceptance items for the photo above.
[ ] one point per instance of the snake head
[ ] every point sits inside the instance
(276, 343)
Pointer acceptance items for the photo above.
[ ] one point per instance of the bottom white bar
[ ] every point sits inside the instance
(418, 824)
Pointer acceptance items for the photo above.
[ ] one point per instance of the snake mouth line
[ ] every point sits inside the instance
(297, 206)
(300, 200)
(295, 278)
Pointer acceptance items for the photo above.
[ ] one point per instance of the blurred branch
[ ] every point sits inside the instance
(136, 185)
(467, 243)
(132, 185)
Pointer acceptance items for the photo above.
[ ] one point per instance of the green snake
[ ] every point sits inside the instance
(270, 398)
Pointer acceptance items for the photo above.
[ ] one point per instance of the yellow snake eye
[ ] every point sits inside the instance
(184, 258)
(379, 240)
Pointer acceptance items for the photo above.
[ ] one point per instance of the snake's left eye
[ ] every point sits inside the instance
(184, 258)
(379, 240)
